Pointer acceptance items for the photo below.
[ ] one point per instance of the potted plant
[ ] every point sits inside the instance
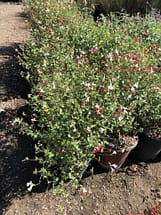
(116, 151)
(89, 85)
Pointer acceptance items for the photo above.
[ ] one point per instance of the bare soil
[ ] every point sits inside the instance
(135, 188)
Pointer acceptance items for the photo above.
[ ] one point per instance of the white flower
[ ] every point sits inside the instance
(116, 51)
(1, 110)
(88, 130)
(44, 63)
(66, 89)
(110, 87)
(87, 99)
(82, 83)
(125, 111)
(110, 56)
(129, 96)
(85, 192)
(102, 116)
(87, 85)
(114, 152)
(132, 89)
(74, 129)
(93, 84)
(29, 186)
(53, 85)
(123, 150)
(114, 79)
(85, 95)
(136, 84)
(83, 52)
(113, 167)
(120, 118)
(101, 130)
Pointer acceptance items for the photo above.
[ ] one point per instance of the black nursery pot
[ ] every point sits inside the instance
(147, 149)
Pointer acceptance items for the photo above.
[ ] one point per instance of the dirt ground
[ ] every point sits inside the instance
(134, 189)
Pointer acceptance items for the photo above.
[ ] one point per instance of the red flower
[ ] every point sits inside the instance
(102, 108)
(18, 58)
(145, 52)
(62, 150)
(44, 82)
(119, 111)
(92, 50)
(135, 66)
(148, 68)
(115, 53)
(61, 24)
(102, 90)
(137, 39)
(32, 15)
(101, 71)
(133, 92)
(135, 58)
(96, 107)
(85, 192)
(97, 149)
(105, 59)
(144, 33)
(81, 104)
(98, 113)
(154, 51)
(129, 85)
(40, 91)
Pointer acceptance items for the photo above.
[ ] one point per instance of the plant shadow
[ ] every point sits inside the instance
(12, 84)
(15, 172)
(12, 1)
(14, 147)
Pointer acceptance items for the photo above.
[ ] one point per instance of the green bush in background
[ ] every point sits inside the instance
(128, 6)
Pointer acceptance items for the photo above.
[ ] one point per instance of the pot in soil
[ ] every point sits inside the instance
(115, 153)
(149, 145)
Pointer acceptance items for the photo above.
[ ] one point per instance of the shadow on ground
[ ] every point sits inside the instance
(12, 85)
(11, 1)
(14, 172)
